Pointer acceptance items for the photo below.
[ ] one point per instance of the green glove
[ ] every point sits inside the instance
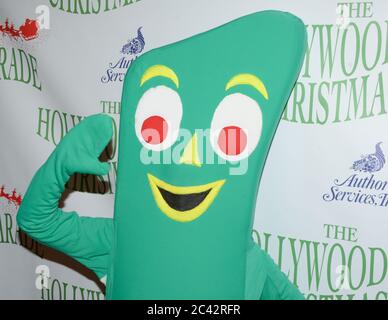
(88, 240)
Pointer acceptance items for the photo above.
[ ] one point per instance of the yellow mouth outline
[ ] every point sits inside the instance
(188, 215)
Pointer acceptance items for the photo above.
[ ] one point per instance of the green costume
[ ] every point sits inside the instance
(181, 229)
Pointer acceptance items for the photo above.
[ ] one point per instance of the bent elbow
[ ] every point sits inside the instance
(22, 219)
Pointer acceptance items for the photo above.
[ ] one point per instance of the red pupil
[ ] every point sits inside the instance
(154, 130)
(232, 140)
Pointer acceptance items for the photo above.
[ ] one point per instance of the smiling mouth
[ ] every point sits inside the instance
(183, 204)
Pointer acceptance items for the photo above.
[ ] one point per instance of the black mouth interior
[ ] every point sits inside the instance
(183, 202)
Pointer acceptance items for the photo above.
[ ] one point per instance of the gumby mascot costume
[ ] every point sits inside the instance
(182, 229)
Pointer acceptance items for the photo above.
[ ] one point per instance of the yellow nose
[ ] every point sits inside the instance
(190, 153)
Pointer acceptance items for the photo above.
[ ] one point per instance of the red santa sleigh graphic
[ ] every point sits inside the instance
(29, 30)
(13, 197)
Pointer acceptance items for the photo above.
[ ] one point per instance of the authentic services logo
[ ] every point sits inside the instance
(134, 46)
(129, 52)
(372, 162)
(365, 185)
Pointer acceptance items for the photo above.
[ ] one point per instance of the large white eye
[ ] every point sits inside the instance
(158, 117)
(236, 127)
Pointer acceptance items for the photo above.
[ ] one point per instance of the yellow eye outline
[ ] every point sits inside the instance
(248, 79)
(159, 70)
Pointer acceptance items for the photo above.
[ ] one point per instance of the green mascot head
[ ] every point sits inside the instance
(197, 120)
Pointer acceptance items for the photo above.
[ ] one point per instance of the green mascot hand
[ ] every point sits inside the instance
(88, 240)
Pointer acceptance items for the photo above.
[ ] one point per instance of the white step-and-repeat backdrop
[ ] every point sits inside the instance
(322, 210)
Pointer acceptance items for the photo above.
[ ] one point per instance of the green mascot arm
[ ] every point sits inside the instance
(277, 286)
(264, 279)
(88, 240)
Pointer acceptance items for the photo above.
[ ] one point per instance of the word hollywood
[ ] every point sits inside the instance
(55, 289)
(335, 268)
(343, 76)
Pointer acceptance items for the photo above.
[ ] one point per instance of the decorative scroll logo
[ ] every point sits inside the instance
(12, 197)
(364, 186)
(372, 162)
(135, 45)
(116, 70)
